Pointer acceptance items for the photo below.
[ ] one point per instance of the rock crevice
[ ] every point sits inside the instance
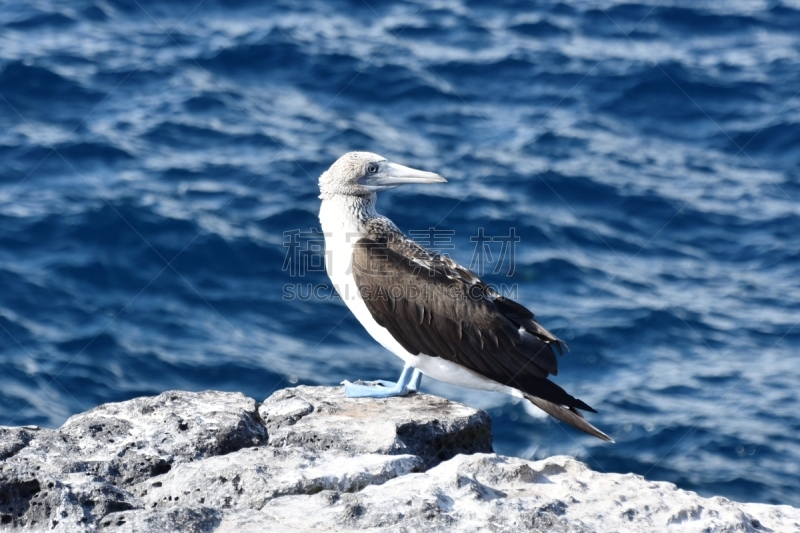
(308, 458)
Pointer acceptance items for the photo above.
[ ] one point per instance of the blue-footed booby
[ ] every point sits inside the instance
(440, 318)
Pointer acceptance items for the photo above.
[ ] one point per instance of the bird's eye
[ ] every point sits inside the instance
(372, 168)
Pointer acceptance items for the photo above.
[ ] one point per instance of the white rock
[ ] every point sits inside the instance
(309, 459)
(489, 492)
(251, 477)
(322, 418)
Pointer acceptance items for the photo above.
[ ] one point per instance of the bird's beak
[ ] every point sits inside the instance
(391, 175)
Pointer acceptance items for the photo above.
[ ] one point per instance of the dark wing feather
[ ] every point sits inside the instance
(570, 416)
(454, 315)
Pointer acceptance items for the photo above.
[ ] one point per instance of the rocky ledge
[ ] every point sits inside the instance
(309, 459)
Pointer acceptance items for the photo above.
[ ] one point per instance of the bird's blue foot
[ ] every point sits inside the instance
(408, 382)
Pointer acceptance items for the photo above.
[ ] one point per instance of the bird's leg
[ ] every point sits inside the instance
(408, 381)
(416, 379)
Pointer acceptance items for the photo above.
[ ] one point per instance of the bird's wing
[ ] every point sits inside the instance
(431, 305)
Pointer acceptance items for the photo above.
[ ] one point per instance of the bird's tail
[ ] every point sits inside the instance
(570, 416)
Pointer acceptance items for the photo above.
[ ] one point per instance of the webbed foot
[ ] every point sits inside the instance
(408, 382)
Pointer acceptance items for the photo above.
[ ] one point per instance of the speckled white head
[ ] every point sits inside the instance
(363, 173)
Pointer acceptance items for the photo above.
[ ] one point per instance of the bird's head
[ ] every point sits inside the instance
(363, 173)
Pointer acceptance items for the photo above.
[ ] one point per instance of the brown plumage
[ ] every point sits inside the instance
(451, 313)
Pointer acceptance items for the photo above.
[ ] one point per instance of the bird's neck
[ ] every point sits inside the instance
(346, 212)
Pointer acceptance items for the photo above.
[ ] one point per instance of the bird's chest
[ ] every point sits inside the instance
(342, 231)
(343, 228)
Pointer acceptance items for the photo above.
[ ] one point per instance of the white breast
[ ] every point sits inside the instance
(342, 228)
(340, 224)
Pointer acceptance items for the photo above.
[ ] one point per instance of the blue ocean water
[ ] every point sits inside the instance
(154, 155)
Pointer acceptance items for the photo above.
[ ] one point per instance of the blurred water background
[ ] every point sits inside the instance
(153, 154)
